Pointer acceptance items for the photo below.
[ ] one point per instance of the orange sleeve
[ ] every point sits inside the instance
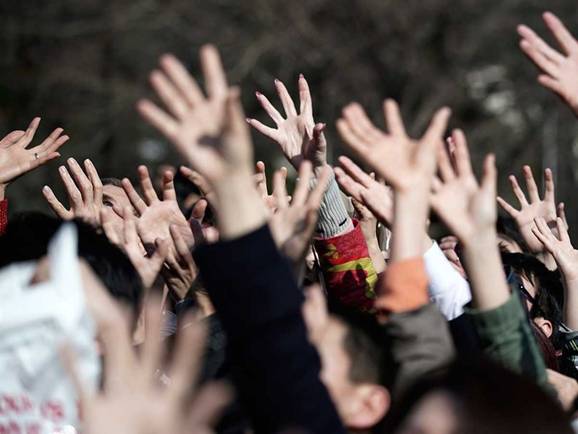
(403, 287)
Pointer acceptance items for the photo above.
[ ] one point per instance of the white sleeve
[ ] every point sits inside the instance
(447, 288)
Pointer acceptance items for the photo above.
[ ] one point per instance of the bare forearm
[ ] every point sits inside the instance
(571, 303)
(485, 271)
(410, 216)
(238, 206)
(2, 191)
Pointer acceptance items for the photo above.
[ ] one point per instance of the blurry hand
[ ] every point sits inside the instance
(84, 190)
(559, 70)
(132, 400)
(297, 134)
(402, 161)
(179, 270)
(16, 159)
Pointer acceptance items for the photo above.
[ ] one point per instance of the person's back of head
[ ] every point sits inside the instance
(477, 397)
(27, 237)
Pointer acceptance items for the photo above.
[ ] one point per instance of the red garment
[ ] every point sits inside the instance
(347, 268)
(3, 215)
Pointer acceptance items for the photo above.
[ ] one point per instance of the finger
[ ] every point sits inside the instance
(261, 179)
(81, 180)
(518, 192)
(355, 143)
(549, 192)
(74, 194)
(152, 348)
(393, 119)
(302, 187)
(561, 33)
(512, 212)
(215, 77)
(305, 103)
(436, 184)
(56, 205)
(179, 75)
(437, 127)
(347, 184)
(95, 181)
(159, 119)
(531, 186)
(199, 209)
(280, 188)
(108, 226)
(462, 155)
(168, 94)
(539, 58)
(197, 179)
(272, 133)
(529, 35)
(209, 404)
(48, 145)
(446, 170)
(543, 239)
(319, 140)
(29, 133)
(269, 108)
(489, 175)
(360, 124)
(169, 192)
(551, 83)
(286, 100)
(137, 202)
(235, 118)
(181, 246)
(11, 138)
(561, 212)
(187, 360)
(356, 172)
(563, 230)
(130, 231)
(146, 183)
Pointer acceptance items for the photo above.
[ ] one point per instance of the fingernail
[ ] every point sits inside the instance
(258, 93)
(301, 76)
(62, 169)
(277, 81)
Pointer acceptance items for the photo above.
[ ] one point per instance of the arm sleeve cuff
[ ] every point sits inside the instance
(404, 287)
(333, 216)
(3, 215)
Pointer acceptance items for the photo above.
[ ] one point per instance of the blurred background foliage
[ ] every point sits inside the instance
(83, 64)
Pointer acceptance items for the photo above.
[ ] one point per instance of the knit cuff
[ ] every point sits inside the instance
(333, 217)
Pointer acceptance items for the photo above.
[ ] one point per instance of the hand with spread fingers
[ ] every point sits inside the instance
(84, 189)
(466, 207)
(148, 265)
(179, 271)
(16, 158)
(132, 399)
(402, 161)
(156, 216)
(559, 69)
(297, 134)
(292, 225)
(200, 126)
(366, 189)
(536, 207)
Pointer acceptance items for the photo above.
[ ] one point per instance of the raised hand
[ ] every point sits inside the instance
(557, 242)
(155, 215)
(402, 161)
(466, 207)
(180, 270)
(368, 225)
(15, 157)
(292, 224)
(297, 134)
(365, 189)
(129, 240)
(559, 70)
(84, 190)
(202, 128)
(537, 207)
(132, 398)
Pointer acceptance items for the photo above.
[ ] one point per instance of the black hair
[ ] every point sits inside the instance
(506, 226)
(488, 399)
(112, 181)
(27, 237)
(367, 346)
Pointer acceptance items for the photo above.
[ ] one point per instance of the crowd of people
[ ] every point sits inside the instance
(203, 301)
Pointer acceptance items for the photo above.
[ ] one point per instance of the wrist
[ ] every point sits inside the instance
(2, 191)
